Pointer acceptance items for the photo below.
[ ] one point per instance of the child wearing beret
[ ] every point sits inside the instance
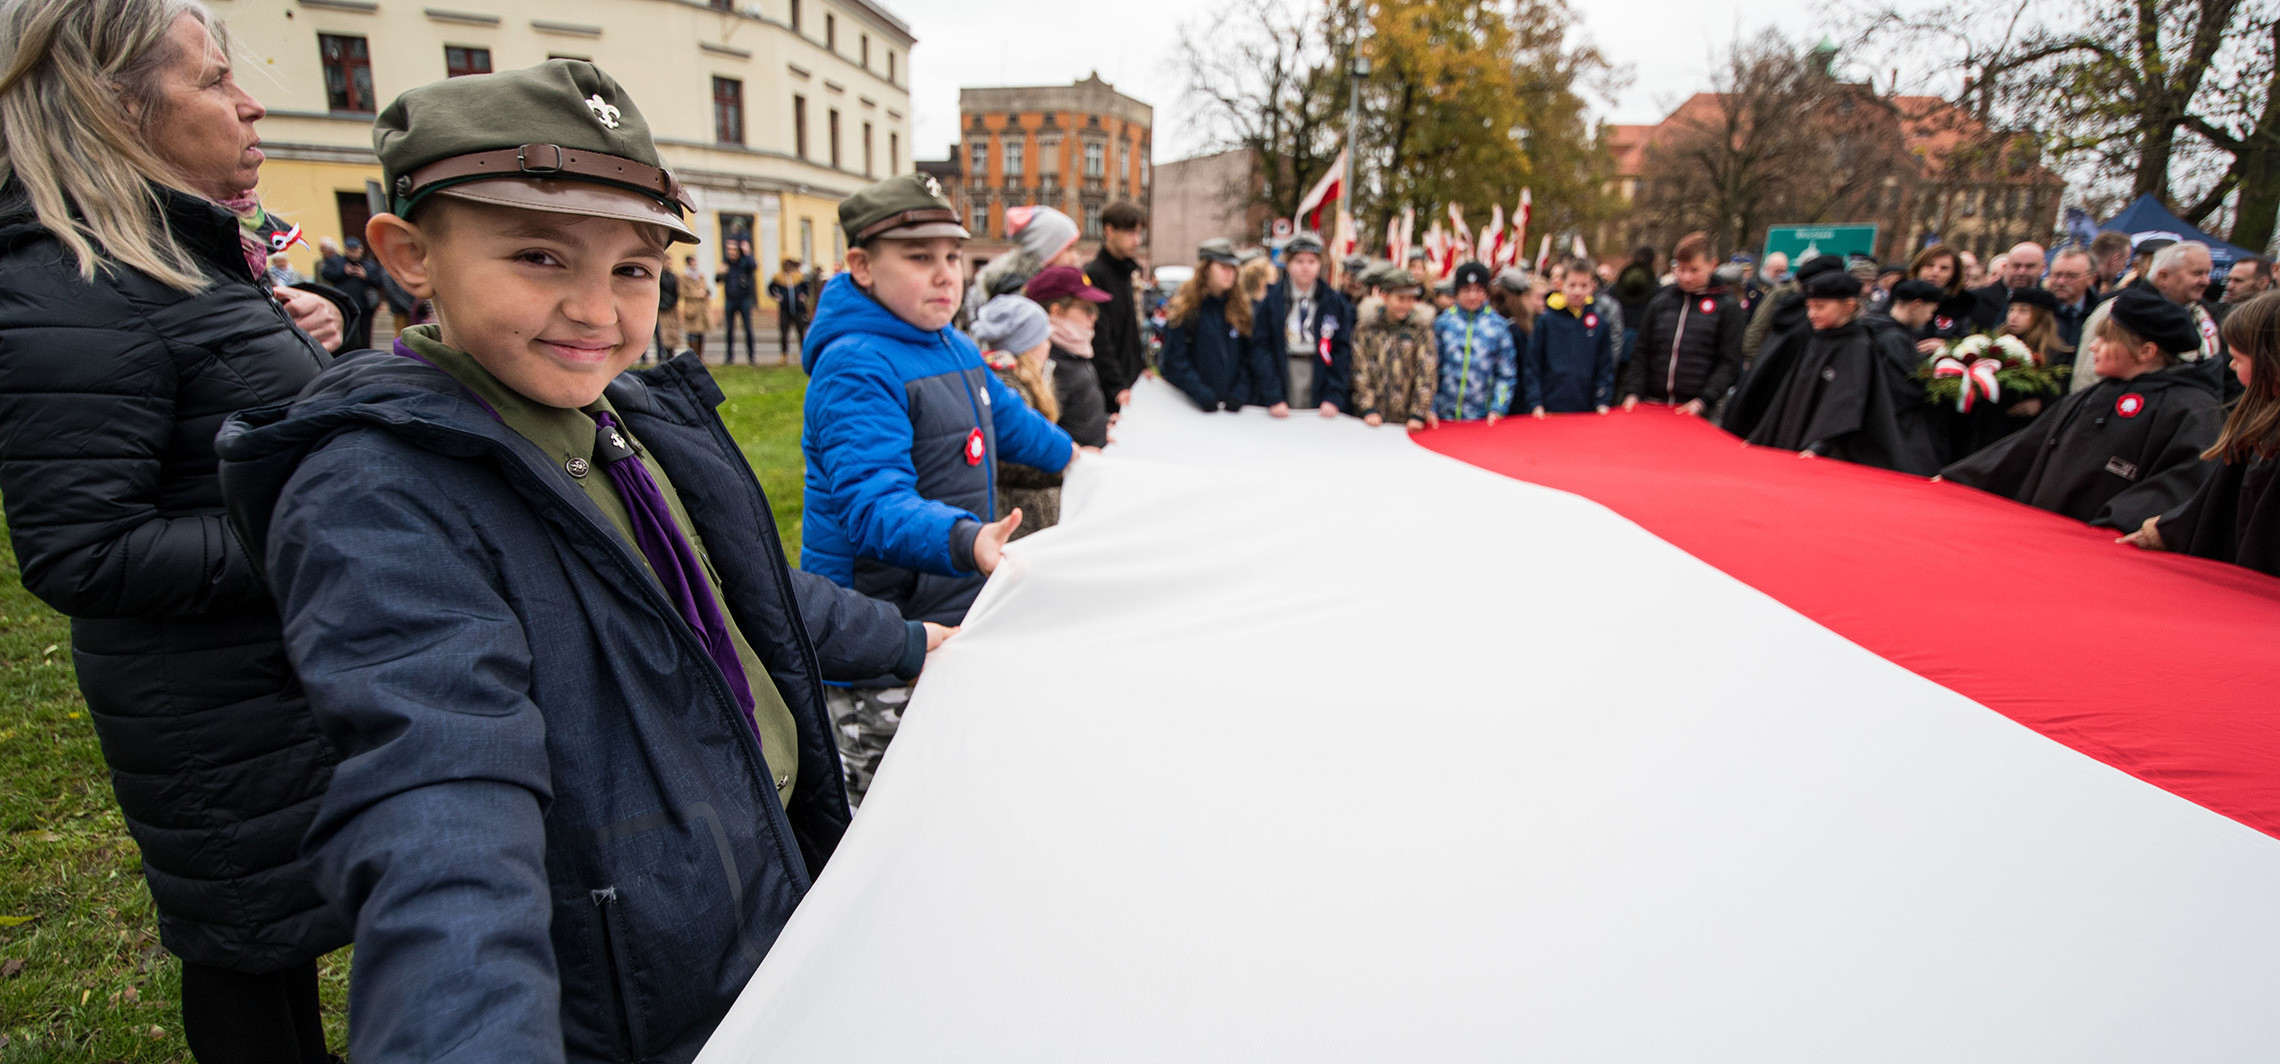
(539, 607)
(2127, 448)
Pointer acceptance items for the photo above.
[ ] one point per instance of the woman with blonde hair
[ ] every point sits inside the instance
(138, 318)
(1255, 276)
(1208, 352)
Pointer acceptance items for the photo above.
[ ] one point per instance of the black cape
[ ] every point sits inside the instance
(1847, 392)
(2112, 454)
(2235, 517)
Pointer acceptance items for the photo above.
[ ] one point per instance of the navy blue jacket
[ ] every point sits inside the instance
(551, 818)
(1333, 320)
(1212, 361)
(1569, 367)
(893, 502)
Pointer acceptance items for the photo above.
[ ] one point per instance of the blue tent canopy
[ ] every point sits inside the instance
(2146, 217)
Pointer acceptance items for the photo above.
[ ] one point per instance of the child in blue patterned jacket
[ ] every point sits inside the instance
(1478, 361)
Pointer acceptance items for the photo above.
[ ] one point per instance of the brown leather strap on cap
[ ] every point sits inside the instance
(540, 160)
(897, 221)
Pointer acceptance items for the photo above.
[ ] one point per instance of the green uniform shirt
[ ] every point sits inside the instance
(566, 434)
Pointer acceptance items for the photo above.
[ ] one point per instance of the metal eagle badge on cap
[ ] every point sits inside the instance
(933, 187)
(604, 113)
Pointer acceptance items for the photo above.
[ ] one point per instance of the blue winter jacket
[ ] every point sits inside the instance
(551, 819)
(1570, 365)
(894, 498)
(1212, 361)
(1333, 320)
(1478, 364)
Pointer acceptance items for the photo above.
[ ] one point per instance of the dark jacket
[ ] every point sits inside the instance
(110, 394)
(551, 817)
(736, 287)
(362, 287)
(894, 498)
(2235, 517)
(1569, 364)
(1076, 387)
(1990, 302)
(668, 293)
(1212, 361)
(1633, 288)
(1689, 346)
(1847, 392)
(1119, 352)
(2113, 454)
(1333, 321)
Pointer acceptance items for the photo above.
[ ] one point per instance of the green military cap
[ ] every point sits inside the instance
(903, 207)
(1302, 241)
(561, 137)
(1391, 277)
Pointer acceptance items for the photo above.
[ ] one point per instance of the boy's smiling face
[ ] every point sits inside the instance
(554, 305)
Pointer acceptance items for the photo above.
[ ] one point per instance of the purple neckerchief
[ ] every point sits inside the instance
(660, 540)
(670, 555)
(405, 350)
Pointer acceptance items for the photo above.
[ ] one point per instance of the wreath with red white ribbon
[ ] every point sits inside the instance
(1984, 367)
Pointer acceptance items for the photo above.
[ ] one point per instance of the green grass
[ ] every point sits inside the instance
(94, 985)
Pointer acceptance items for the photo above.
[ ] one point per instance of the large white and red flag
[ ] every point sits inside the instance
(1330, 188)
(1491, 244)
(1610, 740)
(1461, 245)
(1520, 216)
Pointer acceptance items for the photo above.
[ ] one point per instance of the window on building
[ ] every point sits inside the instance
(890, 66)
(1123, 159)
(1093, 153)
(354, 211)
(799, 126)
(832, 121)
(831, 31)
(1145, 170)
(1049, 161)
(795, 16)
(1013, 162)
(894, 152)
(978, 162)
(866, 149)
(863, 50)
(1092, 220)
(807, 240)
(978, 217)
(348, 73)
(460, 62)
(728, 110)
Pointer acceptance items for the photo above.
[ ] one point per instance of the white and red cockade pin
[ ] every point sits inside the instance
(1709, 305)
(1591, 321)
(975, 450)
(2129, 405)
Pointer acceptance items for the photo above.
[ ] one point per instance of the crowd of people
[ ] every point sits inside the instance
(481, 651)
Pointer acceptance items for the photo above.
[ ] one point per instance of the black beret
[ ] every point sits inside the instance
(1817, 265)
(1832, 284)
(2036, 297)
(1917, 292)
(1471, 273)
(2153, 317)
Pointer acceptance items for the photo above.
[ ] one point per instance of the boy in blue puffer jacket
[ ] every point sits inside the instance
(1570, 367)
(905, 426)
(1478, 362)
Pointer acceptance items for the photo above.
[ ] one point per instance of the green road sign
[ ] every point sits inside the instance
(1801, 242)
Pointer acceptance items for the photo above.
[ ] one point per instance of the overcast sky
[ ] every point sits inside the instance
(1045, 42)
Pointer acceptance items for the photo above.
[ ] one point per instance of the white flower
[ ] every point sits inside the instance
(2013, 350)
(1969, 347)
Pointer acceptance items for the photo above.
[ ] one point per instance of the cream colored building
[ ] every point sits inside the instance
(769, 111)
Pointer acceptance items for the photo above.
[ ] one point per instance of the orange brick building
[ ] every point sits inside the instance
(1076, 148)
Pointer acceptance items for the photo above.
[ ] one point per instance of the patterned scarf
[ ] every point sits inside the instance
(247, 206)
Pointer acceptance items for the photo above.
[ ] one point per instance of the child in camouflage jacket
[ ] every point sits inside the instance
(1395, 359)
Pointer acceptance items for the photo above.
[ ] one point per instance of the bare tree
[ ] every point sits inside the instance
(1778, 139)
(1258, 76)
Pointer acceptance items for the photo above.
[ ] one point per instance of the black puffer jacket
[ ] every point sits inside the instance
(110, 395)
(1689, 346)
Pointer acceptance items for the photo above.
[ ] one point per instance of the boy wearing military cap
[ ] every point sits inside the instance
(1479, 363)
(1304, 332)
(1395, 361)
(538, 605)
(2127, 448)
(905, 425)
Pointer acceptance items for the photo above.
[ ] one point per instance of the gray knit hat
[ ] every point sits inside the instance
(1010, 323)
